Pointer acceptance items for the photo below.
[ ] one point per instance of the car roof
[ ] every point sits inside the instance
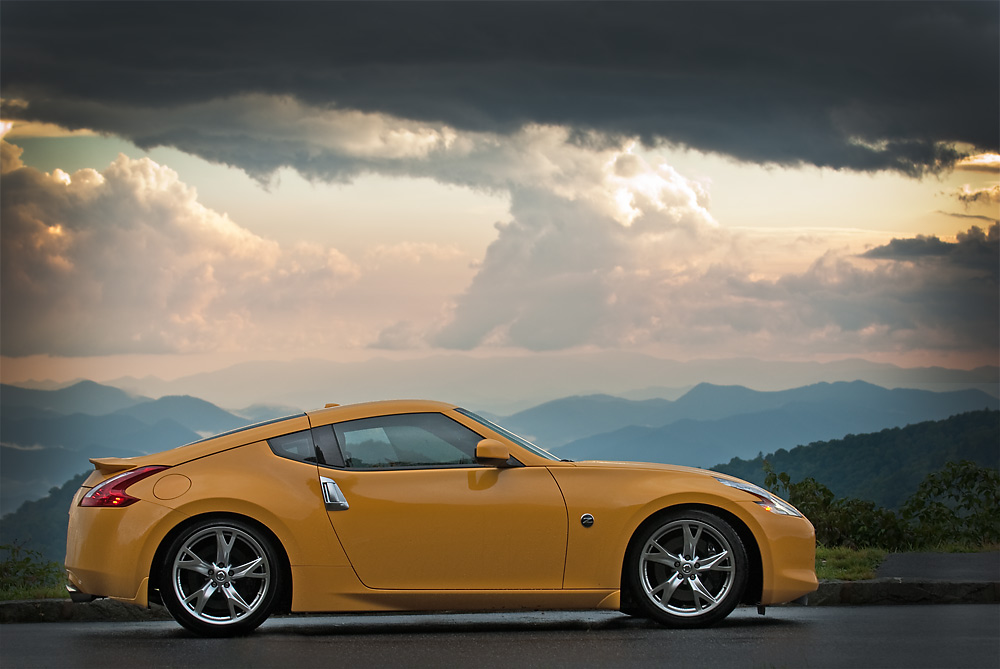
(273, 428)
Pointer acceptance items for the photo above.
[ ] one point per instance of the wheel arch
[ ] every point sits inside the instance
(156, 568)
(755, 578)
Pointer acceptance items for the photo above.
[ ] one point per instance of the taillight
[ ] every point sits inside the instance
(112, 492)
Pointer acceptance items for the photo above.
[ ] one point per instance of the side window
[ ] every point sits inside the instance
(294, 446)
(317, 446)
(368, 447)
(407, 440)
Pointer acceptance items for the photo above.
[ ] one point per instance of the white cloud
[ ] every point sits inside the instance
(982, 162)
(706, 294)
(589, 218)
(10, 155)
(575, 264)
(603, 247)
(128, 260)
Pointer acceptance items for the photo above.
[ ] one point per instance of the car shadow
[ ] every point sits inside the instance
(401, 624)
(485, 623)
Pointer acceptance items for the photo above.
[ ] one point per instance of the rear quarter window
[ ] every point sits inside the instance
(317, 446)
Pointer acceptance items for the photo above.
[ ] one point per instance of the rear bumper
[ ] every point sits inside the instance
(109, 551)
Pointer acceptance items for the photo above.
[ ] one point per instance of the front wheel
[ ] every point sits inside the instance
(687, 569)
(220, 578)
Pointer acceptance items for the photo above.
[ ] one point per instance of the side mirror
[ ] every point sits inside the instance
(493, 453)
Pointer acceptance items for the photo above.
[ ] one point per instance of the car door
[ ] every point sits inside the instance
(413, 510)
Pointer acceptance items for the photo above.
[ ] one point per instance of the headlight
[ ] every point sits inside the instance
(768, 500)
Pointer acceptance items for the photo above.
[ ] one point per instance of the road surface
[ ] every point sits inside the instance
(964, 636)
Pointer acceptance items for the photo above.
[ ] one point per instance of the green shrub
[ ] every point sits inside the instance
(959, 504)
(23, 570)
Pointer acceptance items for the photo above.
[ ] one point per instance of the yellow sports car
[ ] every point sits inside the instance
(422, 506)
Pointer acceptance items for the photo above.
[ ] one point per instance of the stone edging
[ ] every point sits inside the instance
(904, 591)
(63, 610)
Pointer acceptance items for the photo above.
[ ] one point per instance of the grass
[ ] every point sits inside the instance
(51, 592)
(847, 564)
(859, 564)
(24, 574)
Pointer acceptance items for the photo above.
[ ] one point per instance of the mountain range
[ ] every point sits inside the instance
(505, 384)
(738, 422)
(884, 467)
(47, 436)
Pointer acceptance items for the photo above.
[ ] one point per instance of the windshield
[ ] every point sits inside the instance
(520, 441)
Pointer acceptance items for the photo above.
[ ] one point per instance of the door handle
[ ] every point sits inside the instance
(333, 497)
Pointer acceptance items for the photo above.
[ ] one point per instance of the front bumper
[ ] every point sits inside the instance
(789, 560)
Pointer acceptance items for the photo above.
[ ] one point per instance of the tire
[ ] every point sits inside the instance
(686, 569)
(221, 577)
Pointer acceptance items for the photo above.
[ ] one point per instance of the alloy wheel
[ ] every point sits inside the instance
(687, 568)
(221, 574)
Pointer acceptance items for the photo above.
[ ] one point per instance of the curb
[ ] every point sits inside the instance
(64, 610)
(880, 591)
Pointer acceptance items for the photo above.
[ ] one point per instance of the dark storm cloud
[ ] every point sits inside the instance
(865, 86)
(916, 247)
(977, 217)
(974, 249)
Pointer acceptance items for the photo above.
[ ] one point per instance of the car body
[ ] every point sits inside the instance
(422, 506)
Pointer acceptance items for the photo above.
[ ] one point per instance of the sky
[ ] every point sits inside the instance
(188, 185)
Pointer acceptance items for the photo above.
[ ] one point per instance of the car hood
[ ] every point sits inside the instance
(609, 464)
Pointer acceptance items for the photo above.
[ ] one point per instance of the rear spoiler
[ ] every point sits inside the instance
(109, 466)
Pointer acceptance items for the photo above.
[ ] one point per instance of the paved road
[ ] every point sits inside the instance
(942, 566)
(873, 636)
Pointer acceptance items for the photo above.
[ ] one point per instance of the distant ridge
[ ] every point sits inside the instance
(557, 422)
(83, 397)
(462, 378)
(195, 414)
(887, 466)
(768, 421)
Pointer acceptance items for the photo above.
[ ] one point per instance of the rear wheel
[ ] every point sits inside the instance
(220, 578)
(687, 569)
